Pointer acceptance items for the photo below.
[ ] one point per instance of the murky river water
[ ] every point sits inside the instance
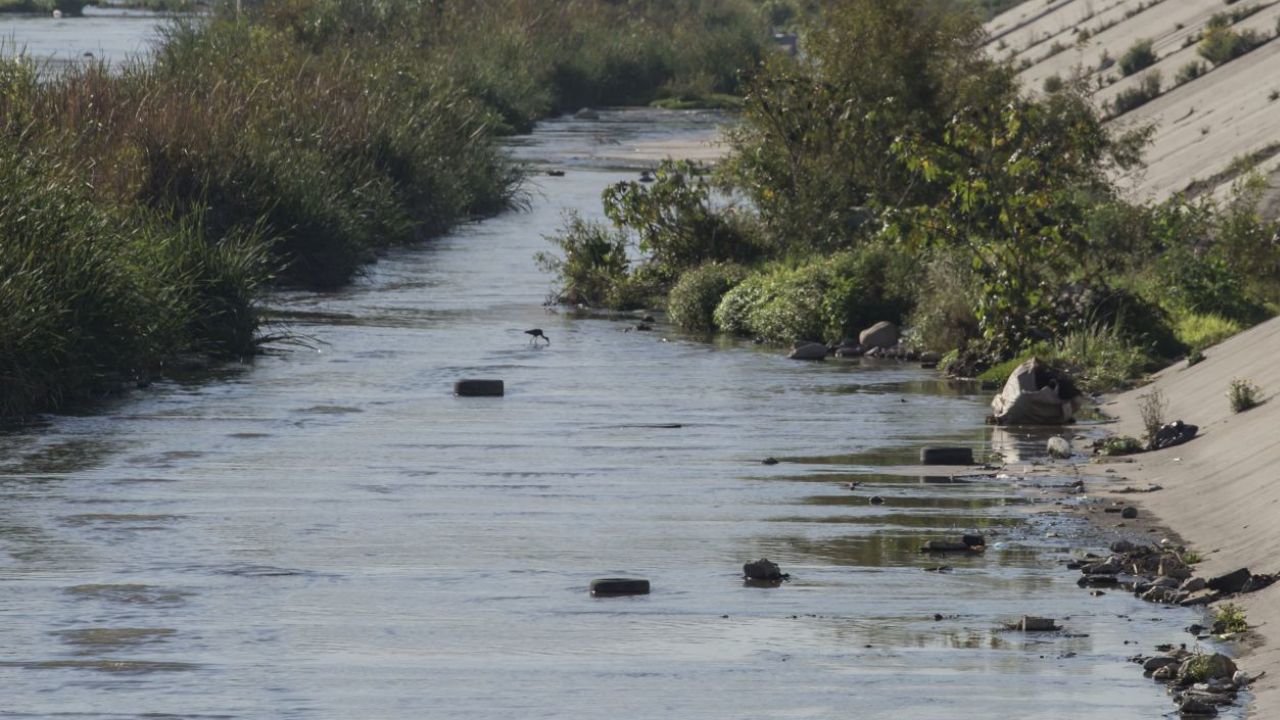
(329, 533)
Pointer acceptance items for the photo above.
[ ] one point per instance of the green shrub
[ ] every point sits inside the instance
(1101, 358)
(1189, 72)
(593, 265)
(1229, 618)
(676, 222)
(943, 318)
(1243, 395)
(1197, 330)
(1144, 92)
(1122, 445)
(693, 301)
(1139, 56)
(1202, 284)
(1222, 44)
(823, 299)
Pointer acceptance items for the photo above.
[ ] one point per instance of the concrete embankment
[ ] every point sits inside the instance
(1221, 491)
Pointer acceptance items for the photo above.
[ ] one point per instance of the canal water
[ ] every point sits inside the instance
(111, 35)
(330, 533)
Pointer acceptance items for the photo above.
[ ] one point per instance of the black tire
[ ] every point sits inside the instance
(946, 456)
(479, 388)
(619, 586)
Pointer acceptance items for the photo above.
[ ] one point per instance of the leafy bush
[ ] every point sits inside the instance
(1222, 44)
(593, 266)
(693, 301)
(824, 299)
(676, 223)
(1139, 56)
(1203, 284)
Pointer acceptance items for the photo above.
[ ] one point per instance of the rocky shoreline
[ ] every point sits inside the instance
(1153, 564)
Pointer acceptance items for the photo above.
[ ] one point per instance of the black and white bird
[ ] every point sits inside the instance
(536, 333)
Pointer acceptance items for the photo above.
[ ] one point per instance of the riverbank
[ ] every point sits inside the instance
(1219, 491)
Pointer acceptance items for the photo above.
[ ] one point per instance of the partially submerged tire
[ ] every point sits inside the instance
(606, 587)
(478, 388)
(946, 456)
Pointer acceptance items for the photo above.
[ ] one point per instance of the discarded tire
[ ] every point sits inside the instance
(478, 388)
(946, 456)
(619, 586)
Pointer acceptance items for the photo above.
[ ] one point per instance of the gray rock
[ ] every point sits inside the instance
(1193, 584)
(1200, 597)
(1196, 708)
(763, 569)
(1059, 447)
(1129, 513)
(945, 546)
(1230, 582)
(1102, 568)
(808, 351)
(1029, 623)
(1199, 669)
(881, 335)
(1155, 663)
(1165, 673)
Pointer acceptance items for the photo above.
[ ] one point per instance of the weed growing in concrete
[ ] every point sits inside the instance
(1243, 395)
(1152, 407)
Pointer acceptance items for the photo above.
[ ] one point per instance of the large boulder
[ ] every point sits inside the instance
(1036, 394)
(881, 335)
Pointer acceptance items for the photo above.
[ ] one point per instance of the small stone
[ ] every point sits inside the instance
(1029, 623)
(876, 500)
(769, 461)
(1129, 513)
(1196, 708)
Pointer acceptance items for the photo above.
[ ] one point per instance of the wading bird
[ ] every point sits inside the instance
(537, 333)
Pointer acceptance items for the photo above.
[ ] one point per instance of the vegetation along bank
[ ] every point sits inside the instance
(895, 170)
(147, 206)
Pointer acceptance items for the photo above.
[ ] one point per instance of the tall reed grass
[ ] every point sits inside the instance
(145, 206)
